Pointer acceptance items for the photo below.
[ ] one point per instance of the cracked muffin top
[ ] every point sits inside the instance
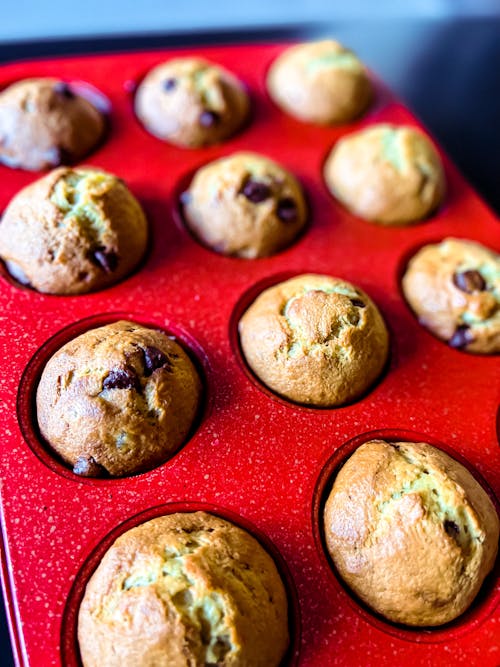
(454, 289)
(73, 231)
(386, 174)
(244, 205)
(191, 102)
(320, 82)
(118, 400)
(410, 531)
(184, 589)
(45, 122)
(315, 339)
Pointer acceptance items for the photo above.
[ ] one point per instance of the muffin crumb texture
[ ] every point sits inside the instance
(386, 174)
(410, 531)
(453, 287)
(118, 400)
(184, 589)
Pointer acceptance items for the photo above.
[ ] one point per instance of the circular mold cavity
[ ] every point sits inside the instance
(401, 269)
(242, 305)
(26, 397)
(70, 653)
(132, 84)
(486, 600)
(180, 192)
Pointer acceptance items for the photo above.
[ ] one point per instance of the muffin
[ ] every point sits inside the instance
(45, 123)
(410, 531)
(386, 174)
(315, 340)
(184, 589)
(191, 102)
(320, 82)
(73, 231)
(117, 400)
(244, 205)
(454, 289)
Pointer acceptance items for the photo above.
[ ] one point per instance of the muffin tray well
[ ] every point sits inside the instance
(253, 457)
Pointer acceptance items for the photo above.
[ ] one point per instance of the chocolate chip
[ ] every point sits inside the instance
(169, 84)
(208, 118)
(121, 378)
(154, 359)
(87, 466)
(451, 528)
(469, 281)
(62, 88)
(287, 210)
(106, 259)
(358, 303)
(461, 337)
(255, 191)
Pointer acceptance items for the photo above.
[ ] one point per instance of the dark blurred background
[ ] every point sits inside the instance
(442, 57)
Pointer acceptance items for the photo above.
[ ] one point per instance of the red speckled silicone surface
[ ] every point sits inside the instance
(255, 458)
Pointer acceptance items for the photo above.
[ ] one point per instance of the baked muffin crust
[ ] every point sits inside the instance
(191, 102)
(320, 82)
(117, 400)
(410, 531)
(44, 122)
(73, 231)
(244, 205)
(184, 590)
(386, 174)
(315, 339)
(454, 289)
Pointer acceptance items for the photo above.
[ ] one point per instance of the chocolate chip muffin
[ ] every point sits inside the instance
(191, 102)
(45, 123)
(117, 400)
(184, 589)
(244, 205)
(454, 289)
(73, 231)
(386, 174)
(410, 531)
(320, 82)
(315, 339)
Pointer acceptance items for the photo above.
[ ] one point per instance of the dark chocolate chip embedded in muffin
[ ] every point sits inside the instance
(118, 400)
(45, 123)
(454, 289)
(191, 102)
(244, 205)
(410, 531)
(184, 589)
(73, 231)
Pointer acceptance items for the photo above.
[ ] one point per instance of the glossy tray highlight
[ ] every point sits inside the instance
(254, 457)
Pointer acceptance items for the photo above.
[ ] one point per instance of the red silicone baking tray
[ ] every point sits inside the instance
(255, 458)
